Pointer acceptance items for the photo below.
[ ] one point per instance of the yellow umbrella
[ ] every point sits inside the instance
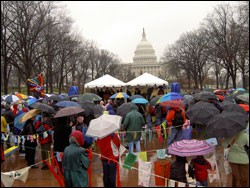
(21, 96)
(29, 114)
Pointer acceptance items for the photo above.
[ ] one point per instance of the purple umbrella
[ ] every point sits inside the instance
(188, 148)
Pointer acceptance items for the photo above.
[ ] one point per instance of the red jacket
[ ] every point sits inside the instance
(200, 170)
(104, 144)
(47, 127)
(171, 114)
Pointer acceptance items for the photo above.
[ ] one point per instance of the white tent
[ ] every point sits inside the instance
(106, 80)
(147, 79)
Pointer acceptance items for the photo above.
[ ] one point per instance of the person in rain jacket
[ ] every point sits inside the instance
(133, 123)
(109, 148)
(75, 162)
(177, 169)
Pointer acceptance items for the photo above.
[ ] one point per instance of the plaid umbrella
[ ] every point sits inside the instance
(226, 124)
(188, 148)
(68, 111)
(119, 95)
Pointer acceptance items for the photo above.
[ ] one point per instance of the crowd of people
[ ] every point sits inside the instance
(68, 137)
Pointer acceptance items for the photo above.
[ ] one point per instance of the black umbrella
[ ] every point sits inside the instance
(154, 100)
(205, 96)
(201, 112)
(68, 111)
(91, 108)
(226, 124)
(89, 97)
(231, 107)
(44, 107)
(55, 98)
(124, 109)
(135, 97)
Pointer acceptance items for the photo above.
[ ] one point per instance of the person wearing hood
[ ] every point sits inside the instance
(133, 124)
(75, 162)
(110, 110)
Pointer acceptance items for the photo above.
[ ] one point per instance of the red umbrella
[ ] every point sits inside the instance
(245, 107)
(173, 103)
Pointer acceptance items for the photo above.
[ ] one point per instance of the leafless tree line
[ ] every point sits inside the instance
(37, 36)
(218, 50)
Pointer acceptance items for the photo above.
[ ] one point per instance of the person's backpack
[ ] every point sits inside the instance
(178, 119)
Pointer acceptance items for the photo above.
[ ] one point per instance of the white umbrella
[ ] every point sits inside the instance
(104, 125)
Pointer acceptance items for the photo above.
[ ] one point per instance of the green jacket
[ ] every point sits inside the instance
(134, 121)
(75, 164)
(237, 152)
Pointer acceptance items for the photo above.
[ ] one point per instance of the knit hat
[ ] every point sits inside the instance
(78, 136)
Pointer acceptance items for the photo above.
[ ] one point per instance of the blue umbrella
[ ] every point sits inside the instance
(67, 103)
(119, 95)
(140, 101)
(17, 124)
(31, 101)
(170, 96)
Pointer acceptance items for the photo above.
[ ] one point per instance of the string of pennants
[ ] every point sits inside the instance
(144, 168)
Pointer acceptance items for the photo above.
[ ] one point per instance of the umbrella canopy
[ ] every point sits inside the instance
(205, 96)
(188, 148)
(173, 103)
(124, 109)
(245, 107)
(119, 95)
(29, 114)
(67, 103)
(68, 111)
(170, 96)
(11, 98)
(89, 97)
(140, 101)
(231, 107)
(135, 97)
(188, 100)
(17, 123)
(154, 100)
(244, 97)
(201, 112)
(104, 125)
(31, 101)
(91, 108)
(21, 96)
(226, 124)
(55, 98)
(43, 107)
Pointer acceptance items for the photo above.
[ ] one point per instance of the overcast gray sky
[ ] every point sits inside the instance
(117, 25)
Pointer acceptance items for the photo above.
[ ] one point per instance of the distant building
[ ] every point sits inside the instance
(145, 59)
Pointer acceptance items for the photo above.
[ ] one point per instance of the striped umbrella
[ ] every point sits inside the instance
(188, 148)
(12, 98)
(119, 95)
(21, 96)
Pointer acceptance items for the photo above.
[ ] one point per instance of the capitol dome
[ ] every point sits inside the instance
(144, 52)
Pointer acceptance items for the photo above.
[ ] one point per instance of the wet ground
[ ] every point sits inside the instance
(129, 178)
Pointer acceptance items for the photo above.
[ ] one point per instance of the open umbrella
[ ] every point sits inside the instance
(119, 95)
(188, 100)
(29, 114)
(244, 97)
(11, 98)
(89, 97)
(17, 123)
(154, 100)
(201, 112)
(188, 148)
(67, 103)
(170, 96)
(173, 103)
(135, 97)
(140, 101)
(91, 108)
(244, 107)
(68, 111)
(43, 107)
(205, 96)
(226, 124)
(55, 98)
(124, 109)
(104, 125)
(21, 96)
(231, 107)
(31, 101)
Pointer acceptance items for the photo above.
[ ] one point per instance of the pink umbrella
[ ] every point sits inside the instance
(187, 148)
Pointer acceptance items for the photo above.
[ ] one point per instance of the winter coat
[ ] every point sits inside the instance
(133, 122)
(75, 163)
(200, 166)
(47, 125)
(178, 172)
(106, 147)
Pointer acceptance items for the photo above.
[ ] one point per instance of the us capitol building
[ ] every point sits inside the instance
(145, 59)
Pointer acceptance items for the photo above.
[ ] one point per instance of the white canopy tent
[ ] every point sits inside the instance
(147, 79)
(105, 81)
